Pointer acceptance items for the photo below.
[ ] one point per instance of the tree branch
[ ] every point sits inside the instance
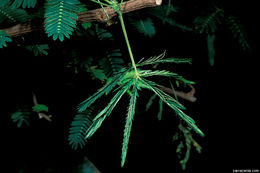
(187, 96)
(97, 15)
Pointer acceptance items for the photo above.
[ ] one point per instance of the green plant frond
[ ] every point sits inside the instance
(20, 117)
(40, 108)
(4, 2)
(163, 13)
(128, 125)
(112, 63)
(60, 18)
(79, 125)
(173, 104)
(209, 23)
(98, 120)
(185, 136)
(160, 59)
(211, 48)
(96, 73)
(38, 49)
(159, 115)
(24, 3)
(162, 95)
(4, 38)
(178, 25)
(151, 60)
(238, 32)
(115, 99)
(148, 73)
(144, 26)
(150, 102)
(107, 88)
(12, 15)
(103, 34)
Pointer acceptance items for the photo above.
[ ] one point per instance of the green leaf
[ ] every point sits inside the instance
(159, 115)
(163, 12)
(238, 32)
(103, 34)
(20, 117)
(108, 86)
(86, 25)
(38, 49)
(4, 2)
(24, 3)
(211, 48)
(13, 15)
(4, 38)
(148, 73)
(209, 22)
(40, 108)
(176, 106)
(144, 26)
(128, 125)
(150, 102)
(60, 16)
(160, 59)
(112, 63)
(96, 73)
(98, 120)
(79, 125)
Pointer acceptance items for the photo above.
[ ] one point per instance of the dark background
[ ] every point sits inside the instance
(226, 109)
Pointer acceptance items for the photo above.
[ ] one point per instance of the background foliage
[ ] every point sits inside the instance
(65, 66)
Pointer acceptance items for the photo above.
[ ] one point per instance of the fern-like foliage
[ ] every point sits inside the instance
(40, 108)
(238, 32)
(160, 59)
(185, 137)
(144, 26)
(38, 49)
(24, 3)
(211, 48)
(4, 38)
(79, 126)
(164, 12)
(112, 63)
(128, 125)
(60, 18)
(103, 34)
(4, 2)
(20, 117)
(12, 15)
(209, 22)
(128, 82)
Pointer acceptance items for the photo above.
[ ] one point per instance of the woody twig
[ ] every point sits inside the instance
(41, 114)
(96, 15)
(187, 96)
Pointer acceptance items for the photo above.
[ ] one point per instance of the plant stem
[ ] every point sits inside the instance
(120, 15)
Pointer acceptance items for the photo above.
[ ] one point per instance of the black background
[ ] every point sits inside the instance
(226, 109)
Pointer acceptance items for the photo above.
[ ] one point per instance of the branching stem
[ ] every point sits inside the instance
(120, 15)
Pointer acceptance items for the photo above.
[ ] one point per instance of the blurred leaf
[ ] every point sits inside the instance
(38, 49)
(211, 48)
(4, 38)
(144, 26)
(24, 3)
(86, 25)
(20, 117)
(40, 108)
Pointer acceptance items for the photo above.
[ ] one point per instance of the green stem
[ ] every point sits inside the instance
(127, 43)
